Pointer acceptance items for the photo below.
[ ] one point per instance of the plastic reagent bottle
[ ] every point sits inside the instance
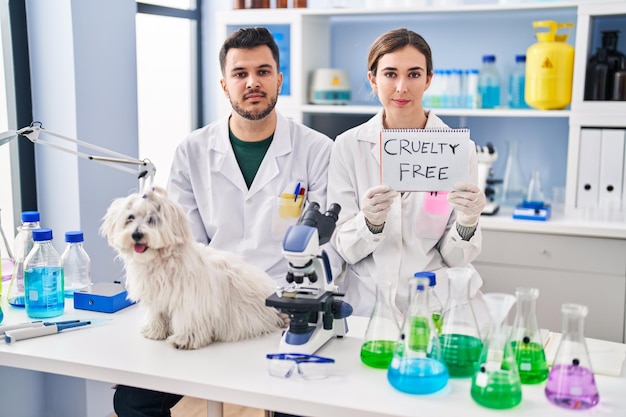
(517, 84)
(43, 278)
(22, 246)
(76, 263)
(489, 83)
(434, 303)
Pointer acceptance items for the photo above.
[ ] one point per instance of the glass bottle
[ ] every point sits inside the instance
(517, 84)
(571, 383)
(417, 366)
(434, 303)
(22, 246)
(382, 331)
(497, 383)
(489, 83)
(76, 263)
(43, 278)
(460, 338)
(526, 338)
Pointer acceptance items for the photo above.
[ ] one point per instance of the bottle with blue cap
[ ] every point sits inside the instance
(22, 246)
(43, 278)
(434, 302)
(489, 83)
(76, 263)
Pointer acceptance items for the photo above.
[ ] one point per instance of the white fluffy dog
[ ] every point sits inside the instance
(193, 294)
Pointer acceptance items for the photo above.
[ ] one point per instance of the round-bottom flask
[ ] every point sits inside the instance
(571, 383)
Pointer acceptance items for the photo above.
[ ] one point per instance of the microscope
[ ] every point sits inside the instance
(487, 155)
(312, 301)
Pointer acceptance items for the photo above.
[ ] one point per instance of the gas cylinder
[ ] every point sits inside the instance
(549, 67)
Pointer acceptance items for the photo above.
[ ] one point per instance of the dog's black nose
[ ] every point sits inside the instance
(137, 235)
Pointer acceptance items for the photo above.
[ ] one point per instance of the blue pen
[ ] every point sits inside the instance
(49, 328)
(30, 324)
(296, 192)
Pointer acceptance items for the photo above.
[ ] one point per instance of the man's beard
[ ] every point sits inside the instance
(254, 114)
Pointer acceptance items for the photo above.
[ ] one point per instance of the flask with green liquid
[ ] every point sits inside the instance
(460, 337)
(497, 383)
(383, 330)
(526, 338)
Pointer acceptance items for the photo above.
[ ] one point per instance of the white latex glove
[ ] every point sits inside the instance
(468, 201)
(376, 202)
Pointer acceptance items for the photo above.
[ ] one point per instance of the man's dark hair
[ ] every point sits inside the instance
(249, 38)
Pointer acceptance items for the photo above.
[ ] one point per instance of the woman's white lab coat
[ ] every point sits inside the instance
(413, 240)
(206, 180)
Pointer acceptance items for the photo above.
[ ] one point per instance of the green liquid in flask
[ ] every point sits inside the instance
(531, 362)
(460, 354)
(496, 389)
(420, 333)
(378, 353)
(438, 320)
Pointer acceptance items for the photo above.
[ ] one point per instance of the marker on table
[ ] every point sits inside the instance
(30, 324)
(11, 336)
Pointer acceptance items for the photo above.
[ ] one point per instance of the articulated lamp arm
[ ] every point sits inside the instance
(145, 169)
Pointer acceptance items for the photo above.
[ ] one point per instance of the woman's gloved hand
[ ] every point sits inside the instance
(376, 202)
(468, 201)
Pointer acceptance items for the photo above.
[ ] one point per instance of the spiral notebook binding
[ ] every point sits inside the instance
(428, 130)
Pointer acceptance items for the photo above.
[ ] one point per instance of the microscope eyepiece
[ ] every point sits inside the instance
(333, 211)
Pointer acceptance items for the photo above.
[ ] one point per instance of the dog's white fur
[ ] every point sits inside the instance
(192, 294)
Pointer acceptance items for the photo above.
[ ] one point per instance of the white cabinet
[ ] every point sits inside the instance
(565, 269)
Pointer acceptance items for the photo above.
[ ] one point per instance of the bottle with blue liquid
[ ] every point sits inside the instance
(517, 84)
(44, 292)
(489, 83)
(417, 366)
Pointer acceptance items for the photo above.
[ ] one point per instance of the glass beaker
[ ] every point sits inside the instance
(526, 338)
(383, 330)
(497, 383)
(417, 366)
(460, 338)
(571, 383)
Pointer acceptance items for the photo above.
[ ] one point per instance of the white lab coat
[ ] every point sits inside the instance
(206, 180)
(412, 240)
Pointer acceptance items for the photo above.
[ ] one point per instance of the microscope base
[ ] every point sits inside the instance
(318, 339)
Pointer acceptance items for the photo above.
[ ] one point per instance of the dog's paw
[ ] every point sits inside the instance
(187, 341)
(155, 332)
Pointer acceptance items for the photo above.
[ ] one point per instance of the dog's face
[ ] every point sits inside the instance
(144, 227)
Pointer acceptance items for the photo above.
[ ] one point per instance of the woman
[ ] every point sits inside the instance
(383, 234)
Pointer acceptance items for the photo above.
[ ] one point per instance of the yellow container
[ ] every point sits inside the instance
(549, 67)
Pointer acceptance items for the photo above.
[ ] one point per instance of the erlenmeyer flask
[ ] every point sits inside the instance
(514, 182)
(417, 366)
(383, 330)
(535, 195)
(571, 383)
(497, 383)
(460, 338)
(526, 338)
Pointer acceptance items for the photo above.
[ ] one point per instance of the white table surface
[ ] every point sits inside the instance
(236, 373)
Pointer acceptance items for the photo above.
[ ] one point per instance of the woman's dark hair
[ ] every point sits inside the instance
(396, 39)
(248, 38)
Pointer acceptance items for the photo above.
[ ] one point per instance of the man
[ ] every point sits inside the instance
(230, 176)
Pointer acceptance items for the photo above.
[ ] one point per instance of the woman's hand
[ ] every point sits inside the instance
(376, 202)
(468, 201)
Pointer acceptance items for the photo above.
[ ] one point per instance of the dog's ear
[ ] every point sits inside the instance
(111, 217)
(176, 217)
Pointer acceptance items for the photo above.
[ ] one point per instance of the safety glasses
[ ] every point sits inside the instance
(309, 367)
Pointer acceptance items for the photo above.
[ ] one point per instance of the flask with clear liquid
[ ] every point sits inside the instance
(382, 331)
(514, 182)
(417, 366)
(43, 278)
(497, 383)
(76, 263)
(22, 246)
(460, 337)
(434, 303)
(526, 338)
(571, 382)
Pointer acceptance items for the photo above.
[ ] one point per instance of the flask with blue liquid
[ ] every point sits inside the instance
(417, 365)
(44, 293)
